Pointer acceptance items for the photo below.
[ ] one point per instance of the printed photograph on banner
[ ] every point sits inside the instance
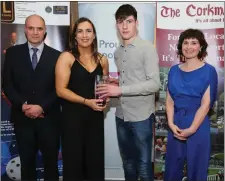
(216, 164)
(164, 80)
(217, 113)
(220, 73)
(160, 156)
(161, 125)
(220, 112)
(217, 152)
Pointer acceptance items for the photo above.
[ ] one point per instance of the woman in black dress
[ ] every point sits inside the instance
(83, 119)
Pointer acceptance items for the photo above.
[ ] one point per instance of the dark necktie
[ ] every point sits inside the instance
(34, 58)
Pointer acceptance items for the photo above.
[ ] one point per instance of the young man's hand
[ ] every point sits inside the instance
(113, 81)
(108, 90)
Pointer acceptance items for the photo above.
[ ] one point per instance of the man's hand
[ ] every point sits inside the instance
(25, 107)
(108, 90)
(32, 111)
(113, 81)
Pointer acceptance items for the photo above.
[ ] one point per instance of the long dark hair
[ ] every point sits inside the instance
(73, 42)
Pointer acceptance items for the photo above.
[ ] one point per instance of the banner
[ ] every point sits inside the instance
(57, 19)
(172, 19)
(103, 17)
(54, 13)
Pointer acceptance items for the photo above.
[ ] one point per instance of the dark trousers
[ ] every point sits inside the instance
(135, 144)
(83, 147)
(34, 134)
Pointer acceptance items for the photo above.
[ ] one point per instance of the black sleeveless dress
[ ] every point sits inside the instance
(83, 130)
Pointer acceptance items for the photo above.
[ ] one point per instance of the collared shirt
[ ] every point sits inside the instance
(39, 52)
(138, 66)
(12, 44)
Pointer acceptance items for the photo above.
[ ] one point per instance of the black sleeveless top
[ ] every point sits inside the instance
(82, 82)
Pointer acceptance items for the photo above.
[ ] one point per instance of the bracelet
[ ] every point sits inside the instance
(84, 100)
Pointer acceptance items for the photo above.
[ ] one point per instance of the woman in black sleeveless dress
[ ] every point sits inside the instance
(83, 119)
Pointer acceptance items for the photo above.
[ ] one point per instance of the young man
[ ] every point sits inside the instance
(29, 84)
(137, 63)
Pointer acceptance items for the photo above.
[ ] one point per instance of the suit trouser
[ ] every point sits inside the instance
(34, 134)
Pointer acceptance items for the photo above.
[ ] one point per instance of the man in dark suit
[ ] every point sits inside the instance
(29, 84)
(13, 39)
